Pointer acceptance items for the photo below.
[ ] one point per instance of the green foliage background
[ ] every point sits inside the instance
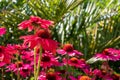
(90, 25)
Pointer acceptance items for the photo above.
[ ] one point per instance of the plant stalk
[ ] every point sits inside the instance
(39, 61)
(35, 63)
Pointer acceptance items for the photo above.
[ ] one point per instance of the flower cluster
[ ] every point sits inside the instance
(40, 57)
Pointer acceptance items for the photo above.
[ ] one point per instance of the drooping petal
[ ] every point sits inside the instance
(61, 51)
(49, 44)
(1, 57)
(77, 53)
(2, 64)
(46, 23)
(23, 25)
(29, 41)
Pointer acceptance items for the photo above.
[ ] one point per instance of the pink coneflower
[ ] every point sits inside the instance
(42, 37)
(74, 62)
(35, 22)
(49, 60)
(2, 31)
(42, 76)
(107, 77)
(5, 56)
(105, 73)
(42, 22)
(49, 76)
(13, 49)
(24, 69)
(109, 54)
(84, 78)
(68, 49)
(96, 73)
(28, 56)
(72, 78)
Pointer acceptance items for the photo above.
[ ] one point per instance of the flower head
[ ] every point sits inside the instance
(35, 22)
(49, 60)
(5, 56)
(84, 78)
(49, 76)
(109, 54)
(43, 34)
(72, 78)
(41, 38)
(97, 73)
(24, 69)
(68, 49)
(75, 62)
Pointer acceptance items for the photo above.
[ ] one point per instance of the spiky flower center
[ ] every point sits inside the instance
(45, 58)
(85, 78)
(35, 21)
(1, 49)
(68, 47)
(19, 64)
(25, 70)
(74, 60)
(43, 34)
(106, 52)
(51, 76)
(103, 72)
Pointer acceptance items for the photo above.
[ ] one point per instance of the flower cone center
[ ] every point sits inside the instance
(20, 64)
(43, 34)
(68, 47)
(1, 49)
(35, 22)
(106, 52)
(51, 76)
(25, 70)
(46, 59)
(84, 78)
(74, 60)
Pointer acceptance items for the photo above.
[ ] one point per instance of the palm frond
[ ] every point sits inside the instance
(81, 28)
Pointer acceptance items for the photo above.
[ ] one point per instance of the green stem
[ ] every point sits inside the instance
(2, 74)
(39, 61)
(11, 71)
(35, 63)
(67, 66)
(18, 72)
(12, 75)
(18, 75)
